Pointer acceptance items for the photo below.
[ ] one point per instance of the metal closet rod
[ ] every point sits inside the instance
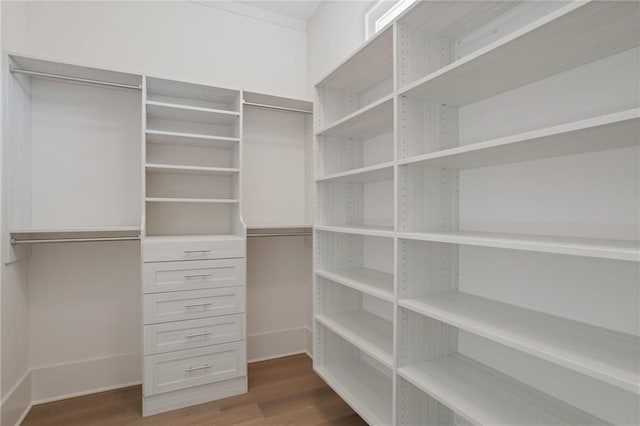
(255, 104)
(76, 79)
(72, 240)
(282, 234)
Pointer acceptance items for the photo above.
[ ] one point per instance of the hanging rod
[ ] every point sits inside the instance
(72, 240)
(76, 79)
(281, 234)
(303, 111)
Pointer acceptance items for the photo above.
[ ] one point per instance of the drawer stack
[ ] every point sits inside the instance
(194, 321)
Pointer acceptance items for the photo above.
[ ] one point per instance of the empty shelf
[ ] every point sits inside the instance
(369, 333)
(376, 173)
(194, 238)
(372, 120)
(369, 281)
(611, 131)
(485, 396)
(589, 247)
(576, 34)
(215, 171)
(177, 112)
(364, 388)
(370, 65)
(606, 355)
(177, 138)
(374, 231)
(191, 200)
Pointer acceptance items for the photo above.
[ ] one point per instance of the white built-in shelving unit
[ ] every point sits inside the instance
(192, 159)
(193, 250)
(477, 237)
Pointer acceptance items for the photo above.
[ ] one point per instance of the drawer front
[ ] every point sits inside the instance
(193, 304)
(159, 277)
(188, 249)
(180, 335)
(194, 367)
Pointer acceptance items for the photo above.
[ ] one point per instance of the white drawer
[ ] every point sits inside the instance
(193, 367)
(180, 335)
(163, 249)
(159, 277)
(192, 304)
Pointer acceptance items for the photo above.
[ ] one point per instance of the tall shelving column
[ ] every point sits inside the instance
(193, 246)
(470, 347)
(500, 319)
(354, 230)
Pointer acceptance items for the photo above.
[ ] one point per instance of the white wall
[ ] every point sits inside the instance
(84, 318)
(214, 46)
(14, 382)
(334, 31)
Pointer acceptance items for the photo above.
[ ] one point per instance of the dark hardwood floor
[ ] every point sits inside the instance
(284, 391)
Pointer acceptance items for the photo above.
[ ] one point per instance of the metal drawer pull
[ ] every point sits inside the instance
(204, 367)
(193, 305)
(197, 251)
(204, 333)
(197, 275)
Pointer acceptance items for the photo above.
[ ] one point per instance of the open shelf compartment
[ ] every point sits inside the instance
(360, 80)
(170, 183)
(357, 378)
(526, 43)
(438, 361)
(183, 217)
(428, 285)
(192, 95)
(363, 263)
(362, 320)
(361, 200)
(455, 389)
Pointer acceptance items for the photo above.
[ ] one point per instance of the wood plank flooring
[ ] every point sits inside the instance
(283, 391)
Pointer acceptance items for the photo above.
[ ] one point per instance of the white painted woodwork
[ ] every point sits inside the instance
(179, 335)
(193, 367)
(506, 155)
(192, 304)
(160, 277)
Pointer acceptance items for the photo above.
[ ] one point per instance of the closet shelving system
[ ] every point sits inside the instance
(193, 246)
(411, 327)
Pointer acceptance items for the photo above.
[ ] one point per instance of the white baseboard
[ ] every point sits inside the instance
(16, 405)
(276, 344)
(56, 382)
(308, 342)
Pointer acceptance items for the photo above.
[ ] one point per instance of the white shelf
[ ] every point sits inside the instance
(178, 112)
(373, 231)
(606, 355)
(364, 388)
(371, 64)
(375, 173)
(590, 247)
(372, 120)
(576, 34)
(369, 333)
(375, 283)
(194, 238)
(611, 131)
(75, 232)
(181, 138)
(214, 171)
(191, 200)
(485, 396)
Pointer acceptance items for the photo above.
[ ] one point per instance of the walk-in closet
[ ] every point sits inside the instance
(314, 212)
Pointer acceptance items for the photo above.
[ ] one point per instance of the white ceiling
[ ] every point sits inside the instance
(299, 9)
